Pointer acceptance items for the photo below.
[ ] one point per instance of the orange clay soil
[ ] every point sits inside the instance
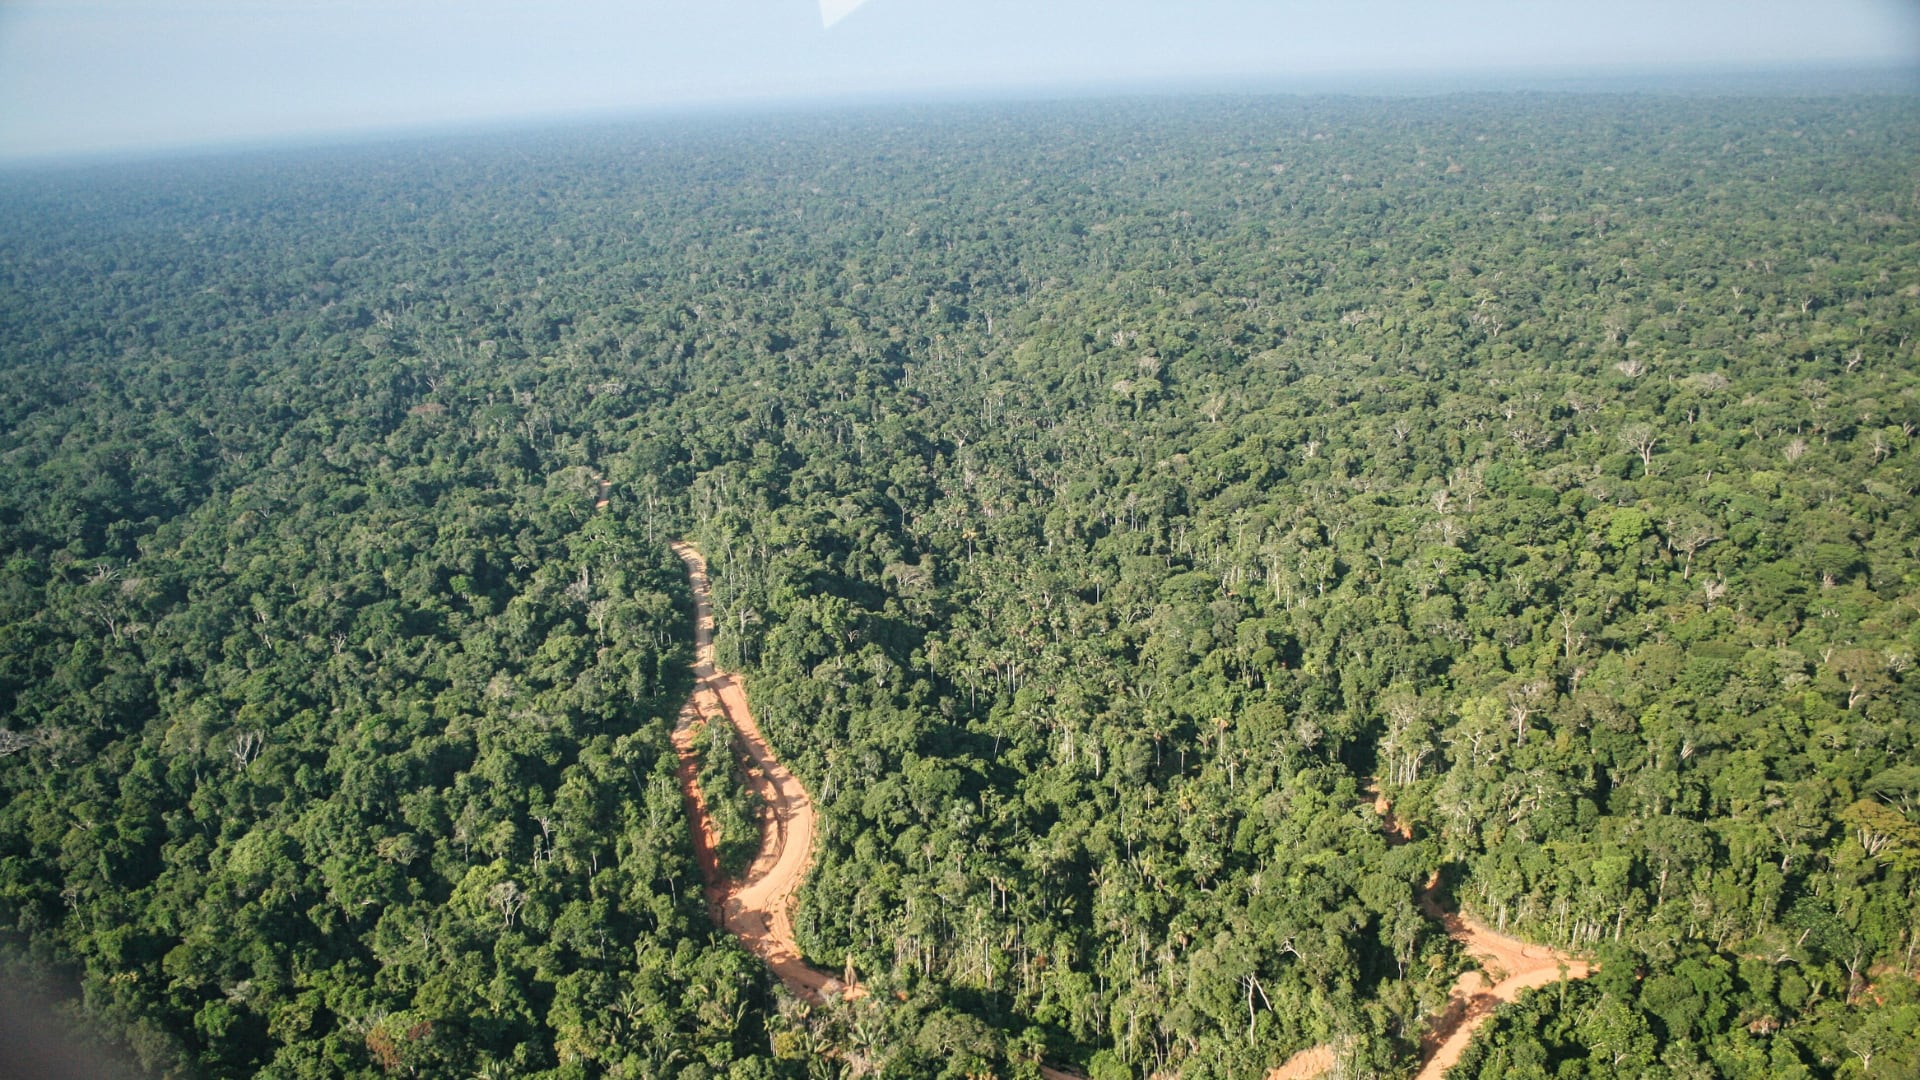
(754, 909)
(1306, 1064)
(1513, 965)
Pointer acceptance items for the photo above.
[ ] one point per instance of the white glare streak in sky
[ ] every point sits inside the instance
(832, 11)
(118, 76)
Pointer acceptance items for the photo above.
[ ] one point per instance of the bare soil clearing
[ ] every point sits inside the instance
(754, 909)
(1305, 1065)
(1507, 966)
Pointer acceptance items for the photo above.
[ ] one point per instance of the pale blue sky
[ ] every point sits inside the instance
(111, 75)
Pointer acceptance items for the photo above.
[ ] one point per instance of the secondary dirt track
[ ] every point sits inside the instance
(754, 909)
(1515, 964)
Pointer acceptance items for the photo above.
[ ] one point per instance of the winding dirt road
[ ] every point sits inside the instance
(1507, 966)
(754, 909)
(1515, 964)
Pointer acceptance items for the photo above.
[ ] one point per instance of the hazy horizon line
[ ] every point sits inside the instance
(1733, 80)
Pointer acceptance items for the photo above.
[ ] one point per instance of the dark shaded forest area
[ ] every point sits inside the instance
(1100, 496)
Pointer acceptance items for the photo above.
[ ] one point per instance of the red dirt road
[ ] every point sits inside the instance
(1513, 964)
(1516, 965)
(754, 909)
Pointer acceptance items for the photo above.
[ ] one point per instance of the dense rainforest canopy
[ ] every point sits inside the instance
(1100, 497)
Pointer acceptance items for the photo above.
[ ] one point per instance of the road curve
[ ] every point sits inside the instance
(1519, 965)
(756, 908)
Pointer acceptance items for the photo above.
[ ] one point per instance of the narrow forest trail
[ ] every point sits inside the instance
(1514, 965)
(754, 909)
